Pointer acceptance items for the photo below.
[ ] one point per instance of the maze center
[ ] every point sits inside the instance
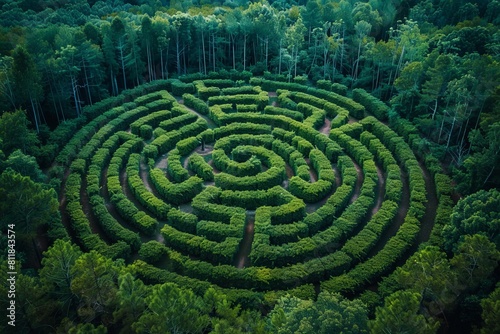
(255, 187)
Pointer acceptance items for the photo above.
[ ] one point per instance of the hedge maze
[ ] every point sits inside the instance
(258, 188)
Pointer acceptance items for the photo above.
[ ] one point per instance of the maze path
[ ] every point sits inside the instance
(247, 195)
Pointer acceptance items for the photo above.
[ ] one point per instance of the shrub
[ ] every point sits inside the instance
(152, 251)
(179, 88)
(200, 167)
(146, 131)
(195, 103)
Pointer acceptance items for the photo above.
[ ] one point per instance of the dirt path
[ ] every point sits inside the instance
(241, 258)
(87, 209)
(325, 128)
(380, 191)
(359, 182)
(143, 173)
(404, 205)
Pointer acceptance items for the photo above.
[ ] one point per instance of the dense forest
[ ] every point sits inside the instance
(250, 166)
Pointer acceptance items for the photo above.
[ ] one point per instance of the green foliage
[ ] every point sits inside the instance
(331, 313)
(152, 251)
(475, 214)
(400, 315)
(16, 134)
(171, 309)
(25, 204)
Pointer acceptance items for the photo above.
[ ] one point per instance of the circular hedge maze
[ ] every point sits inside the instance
(256, 189)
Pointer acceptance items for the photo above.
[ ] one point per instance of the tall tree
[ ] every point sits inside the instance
(173, 310)
(400, 314)
(27, 82)
(95, 283)
(16, 134)
(25, 205)
(478, 213)
(57, 274)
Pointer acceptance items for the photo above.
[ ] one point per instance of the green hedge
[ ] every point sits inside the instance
(371, 103)
(176, 193)
(200, 167)
(193, 102)
(182, 221)
(155, 205)
(179, 88)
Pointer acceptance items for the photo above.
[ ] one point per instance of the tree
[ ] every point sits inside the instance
(95, 283)
(400, 315)
(475, 260)
(25, 203)
(478, 213)
(428, 273)
(25, 165)
(131, 296)
(331, 313)
(294, 39)
(27, 84)
(491, 312)
(172, 310)
(15, 133)
(57, 274)
(362, 30)
(480, 169)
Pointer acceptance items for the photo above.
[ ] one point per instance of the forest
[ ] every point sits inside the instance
(200, 166)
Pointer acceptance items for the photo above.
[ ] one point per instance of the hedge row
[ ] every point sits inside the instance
(153, 119)
(211, 251)
(334, 87)
(354, 108)
(228, 143)
(179, 88)
(241, 90)
(284, 100)
(187, 145)
(241, 128)
(205, 92)
(182, 221)
(359, 245)
(111, 227)
(320, 244)
(382, 155)
(200, 167)
(380, 264)
(309, 192)
(175, 193)
(270, 110)
(260, 100)
(177, 122)
(123, 205)
(81, 224)
(316, 116)
(168, 140)
(223, 163)
(267, 179)
(197, 104)
(175, 169)
(217, 231)
(246, 108)
(62, 140)
(353, 147)
(207, 205)
(295, 158)
(135, 217)
(155, 205)
(371, 103)
(220, 83)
